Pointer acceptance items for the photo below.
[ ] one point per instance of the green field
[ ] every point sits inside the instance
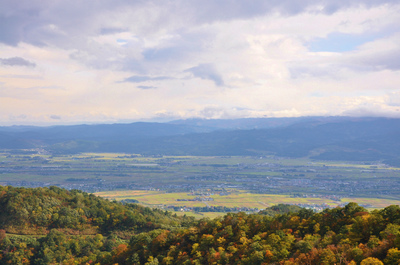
(244, 181)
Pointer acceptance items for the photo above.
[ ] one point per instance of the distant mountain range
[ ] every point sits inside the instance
(326, 138)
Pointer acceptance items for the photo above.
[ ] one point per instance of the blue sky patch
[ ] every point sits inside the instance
(122, 41)
(339, 42)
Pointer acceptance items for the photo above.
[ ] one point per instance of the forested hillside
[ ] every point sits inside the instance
(348, 235)
(71, 227)
(37, 211)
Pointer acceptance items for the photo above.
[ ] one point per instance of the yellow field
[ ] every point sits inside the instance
(376, 203)
(121, 195)
(235, 199)
(344, 165)
(210, 215)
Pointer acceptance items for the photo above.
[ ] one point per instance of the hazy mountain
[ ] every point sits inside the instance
(100, 132)
(253, 123)
(331, 138)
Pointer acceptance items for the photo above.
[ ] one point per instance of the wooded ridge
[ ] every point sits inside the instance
(56, 226)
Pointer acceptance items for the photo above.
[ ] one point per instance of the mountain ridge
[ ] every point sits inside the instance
(327, 138)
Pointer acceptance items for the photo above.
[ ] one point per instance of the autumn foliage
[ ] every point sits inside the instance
(91, 230)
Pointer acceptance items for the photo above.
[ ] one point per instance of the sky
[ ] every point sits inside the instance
(97, 61)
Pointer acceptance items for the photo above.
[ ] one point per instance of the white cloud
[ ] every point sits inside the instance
(393, 99)
(130, 60)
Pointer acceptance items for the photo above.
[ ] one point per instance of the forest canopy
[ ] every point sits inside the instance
(56, 226)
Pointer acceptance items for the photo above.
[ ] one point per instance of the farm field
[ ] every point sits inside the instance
(207, 184)
(235, 199)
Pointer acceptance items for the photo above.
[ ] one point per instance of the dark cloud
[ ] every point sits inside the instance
(10, 30)
(207, 71)
(209, 10)
(44, 22)
(107, 31)
(147, 87)
(55, 117)
(16, 61)
(140, 78)
(379, 60)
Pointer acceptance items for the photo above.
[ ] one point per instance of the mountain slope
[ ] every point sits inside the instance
(38, 210)
(332, 138)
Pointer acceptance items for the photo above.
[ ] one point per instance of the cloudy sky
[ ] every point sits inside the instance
(95, 61)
